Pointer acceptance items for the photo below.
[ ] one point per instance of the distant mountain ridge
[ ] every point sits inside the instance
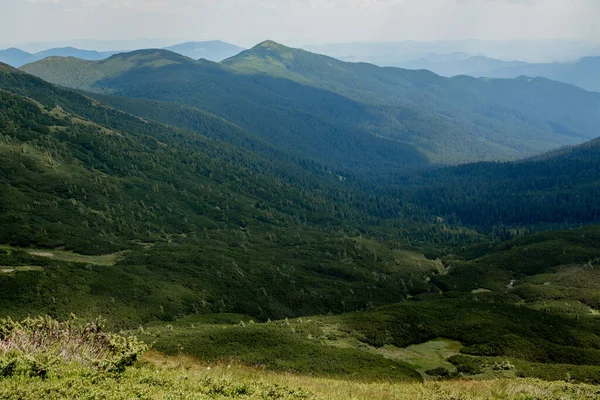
(18, 58)
(450, 65)
(210, 50)
(214, 50)
(583, 72)
(392, 53)
(357, 117)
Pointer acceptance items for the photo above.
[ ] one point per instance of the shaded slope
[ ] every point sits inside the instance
(518, 110)
(557, 188)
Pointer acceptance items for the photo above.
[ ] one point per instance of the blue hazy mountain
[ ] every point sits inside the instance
(215, 50)
(16, 57)
(460, 64)
(583, 72)
(74, 52)
(209, 50)
(392, 53)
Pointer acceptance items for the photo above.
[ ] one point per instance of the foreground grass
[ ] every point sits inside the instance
(181, 377)
(42, 358)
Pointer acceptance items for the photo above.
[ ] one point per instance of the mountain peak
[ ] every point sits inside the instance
(271, 45)
(15, 50)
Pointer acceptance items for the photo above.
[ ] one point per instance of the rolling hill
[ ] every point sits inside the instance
(357, 117)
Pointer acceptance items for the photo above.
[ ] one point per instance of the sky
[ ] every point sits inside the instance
(295, 22)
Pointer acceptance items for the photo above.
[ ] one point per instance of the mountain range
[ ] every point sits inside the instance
(406, 55)
(358, 117)
(391, 53)
(17, 57)
(210, 50)
(583, 72)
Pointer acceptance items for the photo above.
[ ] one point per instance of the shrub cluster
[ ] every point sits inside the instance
(39, 346)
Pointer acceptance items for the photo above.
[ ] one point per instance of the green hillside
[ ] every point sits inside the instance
(182, 223)
(372, 121)
(558, 188)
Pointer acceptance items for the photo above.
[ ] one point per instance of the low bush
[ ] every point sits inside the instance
(466, 365)
(38, 346)
(439, 371)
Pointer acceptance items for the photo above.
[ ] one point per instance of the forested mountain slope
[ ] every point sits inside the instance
(61, 126)
(190, 223)
(557, 188)
(359, 117)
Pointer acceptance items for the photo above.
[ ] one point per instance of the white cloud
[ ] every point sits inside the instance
(298, 21)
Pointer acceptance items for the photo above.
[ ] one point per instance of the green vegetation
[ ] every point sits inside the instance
(170, 280)
(43, 348)
(292, 346)
(44, 358)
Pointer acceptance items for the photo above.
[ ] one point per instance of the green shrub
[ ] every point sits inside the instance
(439, 371)
(466, 365)
(36, 346)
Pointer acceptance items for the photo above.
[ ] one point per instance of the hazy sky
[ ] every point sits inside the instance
(296, 22)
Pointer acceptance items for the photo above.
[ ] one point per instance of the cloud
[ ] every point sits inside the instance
(298, 21)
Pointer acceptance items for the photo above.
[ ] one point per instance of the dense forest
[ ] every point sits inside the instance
(559, 188)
